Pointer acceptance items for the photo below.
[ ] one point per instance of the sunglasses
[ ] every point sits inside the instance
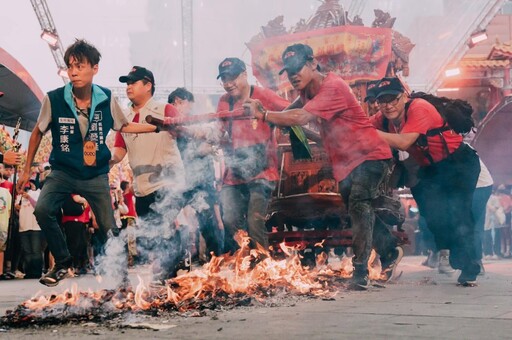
(388, 100)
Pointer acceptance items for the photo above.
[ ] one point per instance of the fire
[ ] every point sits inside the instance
(226, 280)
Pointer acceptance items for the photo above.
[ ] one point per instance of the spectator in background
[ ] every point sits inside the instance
(494, 222)
(5, 176)
(75, 220)
(5, 213)
(30, 235)
(506, 203)
(480, 198)
(128, 220)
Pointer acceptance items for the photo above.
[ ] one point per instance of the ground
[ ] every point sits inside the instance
(422, 304)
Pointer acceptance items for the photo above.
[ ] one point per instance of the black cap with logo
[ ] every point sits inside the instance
(295, 57)
(138, 73)
(231, 67)
(389, 86)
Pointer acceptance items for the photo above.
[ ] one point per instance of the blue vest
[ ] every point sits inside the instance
(67, 142)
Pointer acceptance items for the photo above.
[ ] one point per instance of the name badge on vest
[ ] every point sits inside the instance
(89, 153)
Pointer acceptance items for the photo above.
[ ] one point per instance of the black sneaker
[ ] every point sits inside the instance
(59, 272)
(467, 280)
(389, 267)
(360, 280)
(360, 283)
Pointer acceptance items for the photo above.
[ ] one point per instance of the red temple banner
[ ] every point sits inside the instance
(356, 53)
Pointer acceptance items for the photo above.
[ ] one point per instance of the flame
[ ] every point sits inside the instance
(226, 279)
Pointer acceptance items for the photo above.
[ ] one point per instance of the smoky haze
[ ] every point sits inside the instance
(149, 33)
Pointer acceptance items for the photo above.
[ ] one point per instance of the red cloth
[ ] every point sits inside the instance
(421, 117)
(7, 185)
(243, 134)
(130, 203)
(170, 111)
(84, 218)
(347, 134)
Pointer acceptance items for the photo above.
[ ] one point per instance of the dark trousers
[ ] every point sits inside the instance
(488, 247)
(444, 195)
(244, 207)
(32, 253)
(480, 198)
(57, 187)
(203, 199)
(76, 240)
(156, 232)
(358, 190)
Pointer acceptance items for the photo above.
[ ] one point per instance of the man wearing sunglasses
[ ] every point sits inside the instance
(359, 158)
(448, 173)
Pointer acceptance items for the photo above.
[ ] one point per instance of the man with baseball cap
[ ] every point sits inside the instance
(158, 173)
(359, 158)
(139, 73)
(448, 173)
(370, 100)
(250, 152)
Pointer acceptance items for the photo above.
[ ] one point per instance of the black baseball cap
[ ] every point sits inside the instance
(138, 73)
(371, 88)
(389, 86)
(231, 66)
(295, 57)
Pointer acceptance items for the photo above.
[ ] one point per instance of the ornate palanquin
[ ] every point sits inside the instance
(307, 194)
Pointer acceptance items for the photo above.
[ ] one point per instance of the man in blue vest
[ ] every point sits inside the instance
(79, 115)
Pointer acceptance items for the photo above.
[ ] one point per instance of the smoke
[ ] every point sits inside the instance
(113, 263)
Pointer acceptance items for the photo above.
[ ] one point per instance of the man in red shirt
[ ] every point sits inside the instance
(250, 156)
(359, 158)
(448, 173)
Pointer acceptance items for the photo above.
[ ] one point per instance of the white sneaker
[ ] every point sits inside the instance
(19, 275)
(444, 265)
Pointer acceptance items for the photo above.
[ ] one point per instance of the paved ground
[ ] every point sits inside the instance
(423, 304)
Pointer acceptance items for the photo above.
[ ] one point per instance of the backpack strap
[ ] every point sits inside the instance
(422, 141)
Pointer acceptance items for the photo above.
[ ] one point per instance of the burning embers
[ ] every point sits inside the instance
(224, 282)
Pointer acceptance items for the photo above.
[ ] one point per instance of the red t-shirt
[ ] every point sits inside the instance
(243, 134)
(421, 117)
(170, 111)
(130, 203)
(347, 134)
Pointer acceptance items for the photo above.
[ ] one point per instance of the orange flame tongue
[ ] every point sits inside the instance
(247, 273)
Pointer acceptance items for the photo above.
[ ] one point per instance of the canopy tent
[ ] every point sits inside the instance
(493, 141)
(22, 97)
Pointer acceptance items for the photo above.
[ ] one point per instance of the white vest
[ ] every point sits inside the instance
(154, 157)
